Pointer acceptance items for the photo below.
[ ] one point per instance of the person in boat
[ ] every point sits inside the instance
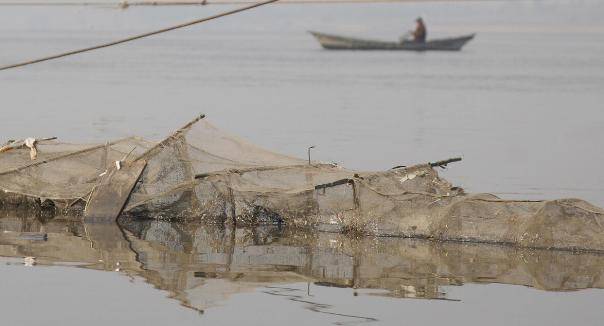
(420, 32)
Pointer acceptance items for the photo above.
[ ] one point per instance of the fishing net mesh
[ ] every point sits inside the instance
(201, 172)
(61, 172)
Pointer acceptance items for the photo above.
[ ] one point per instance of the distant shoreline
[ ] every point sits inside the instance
(118, 3)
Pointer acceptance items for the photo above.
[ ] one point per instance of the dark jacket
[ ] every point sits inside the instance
(420, 33)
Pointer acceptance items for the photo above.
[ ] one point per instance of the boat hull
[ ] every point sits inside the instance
(334, 42)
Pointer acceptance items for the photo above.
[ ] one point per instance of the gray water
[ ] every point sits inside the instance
(275, 276)
(522, 103)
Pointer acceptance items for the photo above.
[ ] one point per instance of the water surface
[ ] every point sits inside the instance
(522, 103)
(272, 276)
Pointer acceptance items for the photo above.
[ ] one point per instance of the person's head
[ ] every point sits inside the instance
(419, 20)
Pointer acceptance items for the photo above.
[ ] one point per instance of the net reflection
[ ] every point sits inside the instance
(203, 265)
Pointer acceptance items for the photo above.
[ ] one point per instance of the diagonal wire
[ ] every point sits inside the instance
(136, 37)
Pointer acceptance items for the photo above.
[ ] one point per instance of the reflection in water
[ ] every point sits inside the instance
(291, 294)
(202, 265)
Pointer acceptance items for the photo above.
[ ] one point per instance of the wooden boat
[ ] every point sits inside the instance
(334, 42)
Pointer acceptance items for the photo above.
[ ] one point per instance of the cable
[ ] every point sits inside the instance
(163, 30)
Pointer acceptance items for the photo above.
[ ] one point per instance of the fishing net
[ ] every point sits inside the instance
(62, 173)
(203, 173)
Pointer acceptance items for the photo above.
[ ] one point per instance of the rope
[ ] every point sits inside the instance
(129, 39)
(55, 158)
(173, 136)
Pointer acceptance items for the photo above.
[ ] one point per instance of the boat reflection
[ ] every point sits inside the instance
(203, 265)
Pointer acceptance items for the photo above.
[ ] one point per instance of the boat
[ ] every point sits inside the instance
(335, 42)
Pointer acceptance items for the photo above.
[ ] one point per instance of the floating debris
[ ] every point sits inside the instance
(29, 261)
(33, 236)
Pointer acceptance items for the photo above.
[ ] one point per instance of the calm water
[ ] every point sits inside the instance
(522, 103)
(272, 276)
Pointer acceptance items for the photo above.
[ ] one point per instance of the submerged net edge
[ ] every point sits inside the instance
(34, 205)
